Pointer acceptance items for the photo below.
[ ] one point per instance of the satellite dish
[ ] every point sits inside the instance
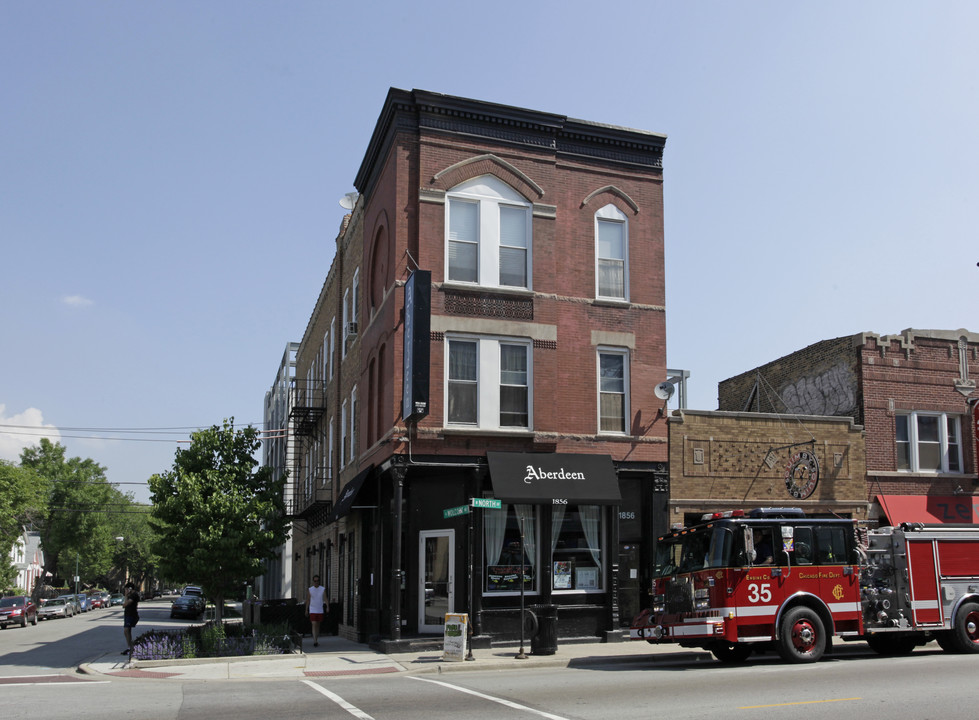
(347, 201)
(664, 391)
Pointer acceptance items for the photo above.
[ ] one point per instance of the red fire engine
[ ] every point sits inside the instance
(774, 577)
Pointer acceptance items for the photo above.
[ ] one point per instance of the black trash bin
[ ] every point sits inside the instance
(543, 638)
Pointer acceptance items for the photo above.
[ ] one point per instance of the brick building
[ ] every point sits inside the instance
(739, 461)
(492, 327)
(914, 393)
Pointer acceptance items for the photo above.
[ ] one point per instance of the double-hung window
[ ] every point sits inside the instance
(488, 238)
(928, 442)
(488, 382)
(613, 385)
(611, 254)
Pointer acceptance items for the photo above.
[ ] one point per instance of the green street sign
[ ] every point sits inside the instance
(487, 503)
(455, 512)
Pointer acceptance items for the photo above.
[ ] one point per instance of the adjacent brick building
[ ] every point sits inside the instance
(914, 393)
(739, 461)
(519, 256)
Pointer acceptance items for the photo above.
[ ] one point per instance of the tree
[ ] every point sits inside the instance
(77, 532)
(218, 518)
(23, 497)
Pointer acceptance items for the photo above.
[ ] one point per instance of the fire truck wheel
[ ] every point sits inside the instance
(966, 630)
(802, 638)
(731, 652)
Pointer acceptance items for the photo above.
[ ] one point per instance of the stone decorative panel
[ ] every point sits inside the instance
(492, 306)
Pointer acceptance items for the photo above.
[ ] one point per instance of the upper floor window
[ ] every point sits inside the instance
(928, 442)
(613, 383)
(488, 238)
(488, 383)
(611, 253)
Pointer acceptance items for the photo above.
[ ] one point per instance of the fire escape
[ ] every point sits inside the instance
(312, 488)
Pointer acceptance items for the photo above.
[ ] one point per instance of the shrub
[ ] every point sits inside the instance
(212, 640)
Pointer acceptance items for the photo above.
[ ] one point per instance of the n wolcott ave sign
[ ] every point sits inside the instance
(554, 478)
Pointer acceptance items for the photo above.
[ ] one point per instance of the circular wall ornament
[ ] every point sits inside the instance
(802, 475)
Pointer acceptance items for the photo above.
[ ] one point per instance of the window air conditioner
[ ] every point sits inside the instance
(351, 329)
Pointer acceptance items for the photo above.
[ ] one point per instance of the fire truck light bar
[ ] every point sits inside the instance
(720, 515)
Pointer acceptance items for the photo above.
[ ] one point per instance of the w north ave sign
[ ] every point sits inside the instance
(554, 478)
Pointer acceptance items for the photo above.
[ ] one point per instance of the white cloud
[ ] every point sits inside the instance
(77, 301)
(23, 430)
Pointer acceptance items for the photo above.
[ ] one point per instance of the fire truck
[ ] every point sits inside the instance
(740, 582)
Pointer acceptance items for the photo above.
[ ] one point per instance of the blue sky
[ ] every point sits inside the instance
(169, 177)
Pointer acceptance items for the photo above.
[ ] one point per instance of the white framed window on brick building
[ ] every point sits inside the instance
(344, 457)
(611, 254)
(488, 382)
(928, 442)
(613, 390)
(488, 235)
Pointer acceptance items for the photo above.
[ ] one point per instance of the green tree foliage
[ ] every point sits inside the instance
(84, 513)
(133, 555)
(23, 498)
(218, 517)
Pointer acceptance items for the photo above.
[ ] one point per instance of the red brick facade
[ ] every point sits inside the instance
(886, 383)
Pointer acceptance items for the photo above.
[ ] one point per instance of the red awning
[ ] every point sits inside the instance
(930, 508)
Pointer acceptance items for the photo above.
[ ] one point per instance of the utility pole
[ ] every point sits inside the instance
(76, 573)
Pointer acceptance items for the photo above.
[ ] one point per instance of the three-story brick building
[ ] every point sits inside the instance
(518, 255)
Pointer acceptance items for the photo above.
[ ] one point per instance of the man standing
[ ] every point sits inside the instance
(314, 608)
(130, 615)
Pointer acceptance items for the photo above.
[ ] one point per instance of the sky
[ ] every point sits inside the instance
(170, 176)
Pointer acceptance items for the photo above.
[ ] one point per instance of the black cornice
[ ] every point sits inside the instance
(417, 111)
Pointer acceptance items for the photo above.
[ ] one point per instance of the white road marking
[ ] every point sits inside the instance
(501, 701)
(355, 711)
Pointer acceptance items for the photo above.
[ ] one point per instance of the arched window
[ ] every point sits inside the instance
(611, 254)
(488, 234)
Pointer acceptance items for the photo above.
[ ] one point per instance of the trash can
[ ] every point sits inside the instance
(543, 641)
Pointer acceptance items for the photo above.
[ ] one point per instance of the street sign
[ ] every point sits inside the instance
(487, 503)
(455, 512)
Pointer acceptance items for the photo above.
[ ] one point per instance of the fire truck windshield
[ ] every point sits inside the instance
(691, 550)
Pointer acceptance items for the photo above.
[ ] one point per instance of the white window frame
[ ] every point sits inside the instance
(333, 346)
(353, 423)
(345, 321)
(627, 414)
(329, 461)
(489, 381)
(490, 195)
(343, 434)
(611, 214)
(951, 453)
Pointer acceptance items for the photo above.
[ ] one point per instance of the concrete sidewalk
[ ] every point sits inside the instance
(337, 657)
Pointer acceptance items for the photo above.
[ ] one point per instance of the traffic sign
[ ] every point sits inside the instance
(487, 503)
(455, 512)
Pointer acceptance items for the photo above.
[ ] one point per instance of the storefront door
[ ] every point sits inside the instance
(436, 592)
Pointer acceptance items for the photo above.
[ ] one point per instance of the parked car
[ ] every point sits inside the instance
(75, 605)
(116, 599)
(83, 602)
(55, 607)
(18, 610)
(95, 600)
(187, 606)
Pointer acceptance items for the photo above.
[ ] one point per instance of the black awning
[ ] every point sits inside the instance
(546, 478)
(348, 494)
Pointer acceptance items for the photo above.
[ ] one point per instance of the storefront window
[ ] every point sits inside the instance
(501, 540)
(576, 547)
